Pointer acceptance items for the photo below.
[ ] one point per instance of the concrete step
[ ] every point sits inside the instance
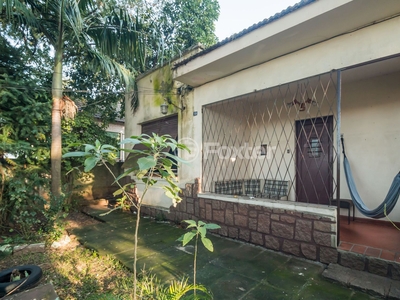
(370, 283)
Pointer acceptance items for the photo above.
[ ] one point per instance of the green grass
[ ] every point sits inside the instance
(79, 273)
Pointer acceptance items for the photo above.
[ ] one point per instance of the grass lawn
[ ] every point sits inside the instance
(76, 272)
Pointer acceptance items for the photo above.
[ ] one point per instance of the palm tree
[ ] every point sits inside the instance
(102, 31)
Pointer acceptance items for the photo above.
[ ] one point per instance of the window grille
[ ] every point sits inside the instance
(281, 136)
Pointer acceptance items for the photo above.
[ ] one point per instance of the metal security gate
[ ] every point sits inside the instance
(278, 143)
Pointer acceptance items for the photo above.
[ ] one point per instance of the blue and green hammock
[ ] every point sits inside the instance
(388, 203)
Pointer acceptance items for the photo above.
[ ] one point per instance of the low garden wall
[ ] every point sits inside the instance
(298, 229)
(303, 230)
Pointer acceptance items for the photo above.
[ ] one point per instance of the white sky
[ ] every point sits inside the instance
(236, 15)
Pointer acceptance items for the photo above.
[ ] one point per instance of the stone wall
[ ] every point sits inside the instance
(369, 264)
(300, 234)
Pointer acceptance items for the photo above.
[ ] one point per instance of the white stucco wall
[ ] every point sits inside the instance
(361, 46)
(370, 106)
(371, 128)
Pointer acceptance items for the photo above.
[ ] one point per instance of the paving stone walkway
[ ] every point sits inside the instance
(233, 271)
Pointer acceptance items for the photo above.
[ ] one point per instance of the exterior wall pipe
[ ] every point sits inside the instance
(338, 147)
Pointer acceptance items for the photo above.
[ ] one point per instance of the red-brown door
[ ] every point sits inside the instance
(314, 180)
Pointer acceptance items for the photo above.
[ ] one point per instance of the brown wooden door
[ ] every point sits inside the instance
(314, 180)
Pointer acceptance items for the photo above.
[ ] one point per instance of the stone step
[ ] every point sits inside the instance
(364, 281)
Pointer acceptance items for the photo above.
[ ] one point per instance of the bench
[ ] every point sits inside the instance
(345, 203)
(252, 187)
(230, 187)
(275, 189)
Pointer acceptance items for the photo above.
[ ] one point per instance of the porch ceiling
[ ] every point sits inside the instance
(309, 25)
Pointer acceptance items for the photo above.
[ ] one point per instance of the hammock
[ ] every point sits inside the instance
(388, 204)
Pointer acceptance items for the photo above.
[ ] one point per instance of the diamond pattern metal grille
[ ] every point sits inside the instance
(283, 137)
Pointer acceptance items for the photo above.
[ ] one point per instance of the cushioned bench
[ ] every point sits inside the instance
(230, 187)
(252, 187)
(275, 189)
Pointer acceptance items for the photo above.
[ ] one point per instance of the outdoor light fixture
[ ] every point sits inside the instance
(164, 106)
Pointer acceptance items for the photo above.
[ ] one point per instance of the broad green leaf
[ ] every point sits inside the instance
(74, 154)
(208, 244)
(158, 139)
(201, 223)
(146, 163)
(183, 147)
(150, 182)
(108, 147)
(126, 173)
(97, 144)
(90, 163)
(172, 146)
(202, 231)
(188, 237)
(89, 147)
(166, 162)
(177, 158)
(141, 174)
(170, 194)
(212, 226)
(163, 173)
(130, 141)
(190, 222)
(118, 192)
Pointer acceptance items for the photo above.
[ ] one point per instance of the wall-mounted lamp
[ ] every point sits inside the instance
(164, 106)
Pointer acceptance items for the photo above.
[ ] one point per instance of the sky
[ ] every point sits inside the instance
(236, 15)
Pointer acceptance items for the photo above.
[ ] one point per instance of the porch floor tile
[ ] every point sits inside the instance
(358, 249)
(371, 238)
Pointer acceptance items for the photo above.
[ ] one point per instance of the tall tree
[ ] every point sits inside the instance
(113, 38)
(24, 107)
(175, 25)
(100, 31)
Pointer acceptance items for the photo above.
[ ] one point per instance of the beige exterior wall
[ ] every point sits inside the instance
(370, 105)
(361, 46)
(374, 122)
(371, 128)
(152, 91)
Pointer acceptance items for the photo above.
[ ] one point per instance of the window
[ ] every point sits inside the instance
(164, 126)
(315, 148)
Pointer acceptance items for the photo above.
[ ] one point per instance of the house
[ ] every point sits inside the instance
(263, 112)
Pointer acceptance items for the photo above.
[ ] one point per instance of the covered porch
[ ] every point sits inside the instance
(283, 144)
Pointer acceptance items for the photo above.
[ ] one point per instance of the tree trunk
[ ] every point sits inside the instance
(56, 140)
(57, 89)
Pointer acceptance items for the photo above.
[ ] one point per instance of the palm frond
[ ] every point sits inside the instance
(110, 66)
(73, 17)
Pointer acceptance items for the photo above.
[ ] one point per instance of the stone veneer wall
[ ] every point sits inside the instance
(301, 234)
